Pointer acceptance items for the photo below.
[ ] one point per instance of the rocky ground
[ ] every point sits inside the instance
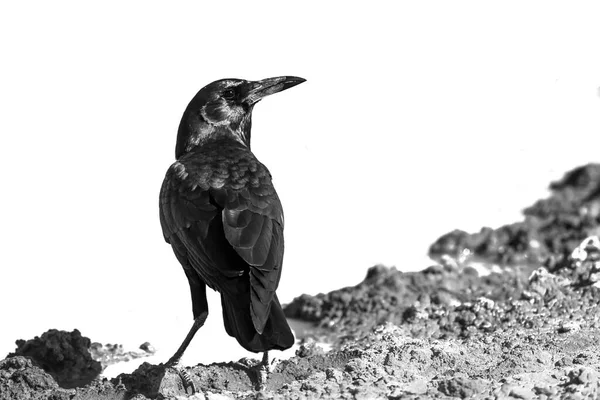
(510, 313)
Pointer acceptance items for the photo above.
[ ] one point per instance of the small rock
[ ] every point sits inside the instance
(309, 347)
(521, 393)
(333, 374)
(148, 348)
(218, 396)
(583, 375)
(570, 326)
(461, 386)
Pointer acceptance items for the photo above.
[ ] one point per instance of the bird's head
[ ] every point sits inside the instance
(224, 107)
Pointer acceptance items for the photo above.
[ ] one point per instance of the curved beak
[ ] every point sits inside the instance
(263, 88)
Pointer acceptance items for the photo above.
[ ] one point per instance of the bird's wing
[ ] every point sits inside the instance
(187, 217)
(227, 231)
(253, 224)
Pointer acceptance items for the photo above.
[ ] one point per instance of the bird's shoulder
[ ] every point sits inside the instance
(222, 175)
(221, 164)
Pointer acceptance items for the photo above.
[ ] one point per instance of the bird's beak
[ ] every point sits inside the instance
(259, 89)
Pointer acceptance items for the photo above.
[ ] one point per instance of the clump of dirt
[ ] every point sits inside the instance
(510, 313)
(388, 295)
(21, 379)
(63, 355)
(552, 227)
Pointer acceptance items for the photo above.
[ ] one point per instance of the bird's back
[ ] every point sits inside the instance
(223, 218)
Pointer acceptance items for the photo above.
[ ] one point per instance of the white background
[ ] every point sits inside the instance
(416, 118)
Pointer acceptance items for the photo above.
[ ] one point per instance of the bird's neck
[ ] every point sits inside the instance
(194, 131)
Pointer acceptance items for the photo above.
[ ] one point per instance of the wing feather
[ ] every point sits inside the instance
(229, 234)
(253, 225)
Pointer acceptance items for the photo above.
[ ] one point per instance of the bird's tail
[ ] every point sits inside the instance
(238, 323)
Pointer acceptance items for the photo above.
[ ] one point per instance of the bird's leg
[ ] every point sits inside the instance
(174, 361)
(263, 371)
(265, 360)
(198, 322)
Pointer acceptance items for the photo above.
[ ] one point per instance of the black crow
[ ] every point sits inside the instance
(223, 218)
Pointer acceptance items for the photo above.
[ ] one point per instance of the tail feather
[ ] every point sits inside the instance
(238, 323)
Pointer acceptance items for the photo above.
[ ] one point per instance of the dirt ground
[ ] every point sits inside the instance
(510, 313)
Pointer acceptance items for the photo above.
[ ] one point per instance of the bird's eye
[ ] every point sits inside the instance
(228, 94)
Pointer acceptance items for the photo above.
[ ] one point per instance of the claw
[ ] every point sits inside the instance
(184, 376)
(186, 379)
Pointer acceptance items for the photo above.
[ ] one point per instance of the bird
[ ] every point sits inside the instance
(221, 215)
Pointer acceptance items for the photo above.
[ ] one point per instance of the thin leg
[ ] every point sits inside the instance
(174, 361)
(263, 371)
(198, 322)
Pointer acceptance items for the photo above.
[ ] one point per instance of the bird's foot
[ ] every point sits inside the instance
(263, 374)
(264, 369)
(186, 381)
